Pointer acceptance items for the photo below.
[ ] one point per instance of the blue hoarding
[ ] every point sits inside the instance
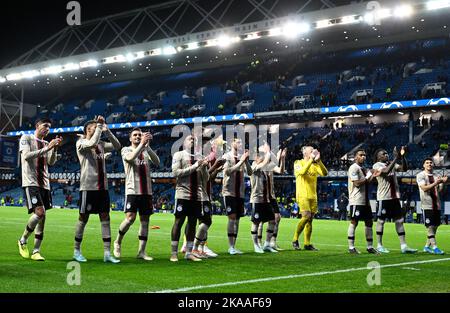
(154, 123)
(9, 149)
(387, 106)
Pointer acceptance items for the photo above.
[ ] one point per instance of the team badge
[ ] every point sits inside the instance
(228, 209)
(34, 200)
(383, 211)
(357, 213)
(179, 208)
(427, 221)
(89, 207)
(128, 205)
(206, 209)
(256, 215)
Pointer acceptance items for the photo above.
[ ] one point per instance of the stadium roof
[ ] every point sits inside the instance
(185, 35)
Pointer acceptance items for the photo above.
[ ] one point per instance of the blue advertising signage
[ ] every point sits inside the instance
(154, 123)
(9, 151)
(387, 106)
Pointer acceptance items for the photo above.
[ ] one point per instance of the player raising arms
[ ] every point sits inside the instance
(94, 196)
(430, 185)
(188, 196)
(35, 155)
(306, 172)
(200, 249)
(358, 191)
(138, 189)
(271, 169)
(388, 196)
(262, 210)
(233, 189)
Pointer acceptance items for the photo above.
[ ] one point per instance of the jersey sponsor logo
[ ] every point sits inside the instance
(100, 156)
(140, 162)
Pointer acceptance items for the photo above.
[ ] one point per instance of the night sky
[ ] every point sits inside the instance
(24, 23)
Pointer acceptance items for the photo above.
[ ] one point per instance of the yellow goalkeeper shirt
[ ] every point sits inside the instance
(306, 173)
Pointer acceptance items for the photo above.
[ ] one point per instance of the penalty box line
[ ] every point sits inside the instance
(251, 281)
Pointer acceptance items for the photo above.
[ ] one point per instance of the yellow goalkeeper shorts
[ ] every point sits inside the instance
(308, 205)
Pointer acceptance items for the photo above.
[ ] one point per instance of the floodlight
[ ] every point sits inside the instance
(192, 46)
(438, 4)
(169, 50)
(71, 67)
(88, 63)
(14, 76)
(56, 69)
(323, 23)
(30, 74)
(403, 11)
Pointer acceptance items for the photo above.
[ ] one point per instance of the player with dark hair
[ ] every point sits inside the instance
(138, 189)
(94, 196)
(233, 189)
(272, 168)
(36, 155)
(262, 210)
(430, 185)
(360, 210)
(388, 196)
(200, 249)
(188, 196)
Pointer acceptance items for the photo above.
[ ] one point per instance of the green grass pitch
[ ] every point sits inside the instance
(331, 269)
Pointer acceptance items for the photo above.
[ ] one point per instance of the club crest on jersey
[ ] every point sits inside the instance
(427, 221)
(179, 208)
(256, 215)
(383, 211)
(89, 207)
(206, 209)
(228, 209)
(128, 205)
(357, 213)
(34, 200)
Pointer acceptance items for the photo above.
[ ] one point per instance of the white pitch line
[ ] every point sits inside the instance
(251, 281)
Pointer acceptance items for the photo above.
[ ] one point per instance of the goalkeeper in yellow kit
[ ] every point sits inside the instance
(306, 172)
